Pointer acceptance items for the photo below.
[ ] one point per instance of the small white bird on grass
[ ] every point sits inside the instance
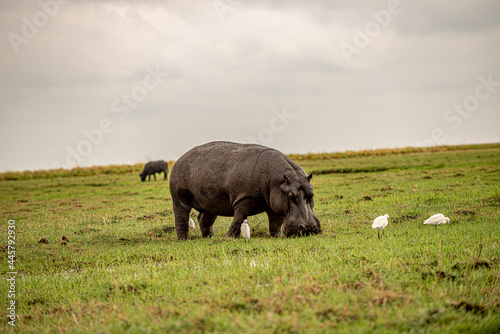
(437, 219)
(192, 226)
(380, 223)
(245, 230)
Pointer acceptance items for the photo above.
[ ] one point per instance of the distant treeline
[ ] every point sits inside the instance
(137, 168)
(389, 151)
(77, 171)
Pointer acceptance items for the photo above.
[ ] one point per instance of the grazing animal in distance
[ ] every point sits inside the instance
(437, 219)
(240, 180)
(380, 223)
(245, 230)
(153, 167)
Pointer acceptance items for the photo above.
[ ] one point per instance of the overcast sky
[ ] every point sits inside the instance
(113, 82)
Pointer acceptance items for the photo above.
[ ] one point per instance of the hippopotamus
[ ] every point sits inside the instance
(153, 167)
(240, 180)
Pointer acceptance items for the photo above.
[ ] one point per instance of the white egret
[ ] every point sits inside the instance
(192, 226)
(245, 230)
(380, 223)
(437, 219)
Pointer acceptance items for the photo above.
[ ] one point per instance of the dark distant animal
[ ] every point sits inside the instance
(241, 180)
(153, 167)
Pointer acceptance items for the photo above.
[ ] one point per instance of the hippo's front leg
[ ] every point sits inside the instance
(275, 223)
(241, 211)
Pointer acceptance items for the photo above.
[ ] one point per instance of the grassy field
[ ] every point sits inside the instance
(121, 268)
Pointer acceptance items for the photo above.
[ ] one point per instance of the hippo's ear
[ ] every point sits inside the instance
(286, 179)
(310, 176)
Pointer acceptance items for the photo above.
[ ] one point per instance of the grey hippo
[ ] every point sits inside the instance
(240, 180)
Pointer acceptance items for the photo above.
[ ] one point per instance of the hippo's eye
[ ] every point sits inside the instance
(292, 197)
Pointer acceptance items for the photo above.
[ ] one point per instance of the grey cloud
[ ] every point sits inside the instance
(226, 77)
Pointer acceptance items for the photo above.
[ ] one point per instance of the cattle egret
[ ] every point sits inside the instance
(380, 223)
(192, 226)
(436, 220)
(245, 230)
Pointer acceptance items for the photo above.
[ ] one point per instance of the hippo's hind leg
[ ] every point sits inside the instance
(154, 174)
(181, 214)
(275, 223)
(206, 221)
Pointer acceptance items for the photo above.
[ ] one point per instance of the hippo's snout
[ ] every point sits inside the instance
(294, 228)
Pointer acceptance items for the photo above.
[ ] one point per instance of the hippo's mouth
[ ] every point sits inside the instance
(301, 231)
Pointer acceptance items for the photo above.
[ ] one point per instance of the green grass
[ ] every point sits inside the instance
(122, 269)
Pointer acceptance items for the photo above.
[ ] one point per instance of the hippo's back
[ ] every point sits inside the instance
(218, 174)
(217, 161)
